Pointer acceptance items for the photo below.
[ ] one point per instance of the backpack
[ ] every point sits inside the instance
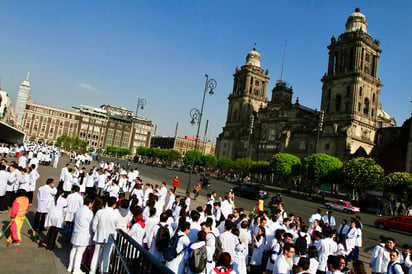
(170, 252)
(301, 244)
(197, 259)
(221, 219)
(221, 270)
(405, 269)
(218, 248)
(162, 237)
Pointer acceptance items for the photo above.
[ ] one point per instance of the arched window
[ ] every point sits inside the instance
(366, 106)
(338, 102)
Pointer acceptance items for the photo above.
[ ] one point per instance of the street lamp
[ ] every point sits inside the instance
(140, 103)
(196, 116)
(320, 128)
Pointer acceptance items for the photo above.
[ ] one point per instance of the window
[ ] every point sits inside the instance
(373, 98)
(372, 112)
(359, 106)
(327, 146)
(348, 91)
(346, 105)
(366, 106)
(338, 102)
(360, 91)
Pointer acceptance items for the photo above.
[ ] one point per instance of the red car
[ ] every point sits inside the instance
(402, 223)
(343, 206)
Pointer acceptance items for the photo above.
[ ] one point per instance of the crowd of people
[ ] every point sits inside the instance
(89, 205)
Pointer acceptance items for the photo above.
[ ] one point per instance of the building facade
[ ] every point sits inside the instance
(182, 144)
(349, 116)
(99, 127)
(22, 97)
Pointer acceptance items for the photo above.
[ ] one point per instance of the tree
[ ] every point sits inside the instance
(361, 174)
(243, 165)
(188, 158)
(142, 151)
(172, 155)
(285, 165)
(118, 151)
(225, 164)
(260, 170)
(321, 168)
(209, 161)
(399, 183)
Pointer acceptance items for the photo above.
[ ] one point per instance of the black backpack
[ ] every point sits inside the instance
(170, 252)
(162, 237)
(301, 244)
(198, 259)
(218, 248)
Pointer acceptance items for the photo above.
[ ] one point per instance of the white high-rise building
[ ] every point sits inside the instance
(22, 96)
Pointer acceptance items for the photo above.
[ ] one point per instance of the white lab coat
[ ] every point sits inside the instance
(34, 174)
(82, 226)
(105, 223)
(74, 202)
(229, 242)
(151, 240)
(4, 176)
(56, 211)
(44, 195)
(327, 246)
(258, 248)
(282, 265)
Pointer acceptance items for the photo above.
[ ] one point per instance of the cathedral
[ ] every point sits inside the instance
(350, 112)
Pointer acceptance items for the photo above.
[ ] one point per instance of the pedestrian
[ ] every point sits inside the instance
(81, 234)
(196, 190)
(175, 183)
(177, 265)
(4, 175)
(394, 267)
(17, 216)
(259, 243)
(223, 264)
(358, 267)
(104, 227)
(283, 263)
(54, 219)
(45, 193)
(74, 202)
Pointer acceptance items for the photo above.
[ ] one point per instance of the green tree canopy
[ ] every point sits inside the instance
(209, 161)
(285, 165)
(172, 155)
(118, 151)
(188, 158)
(71, 143)
(225, 164)
(321, 167)
(261, 167)
(399, 183)
(361, 174)
(243, 165)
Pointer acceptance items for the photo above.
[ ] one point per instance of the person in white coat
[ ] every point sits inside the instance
(68, 182)
(259, 243)
(34, 174)
(283, 264)
(4, 175)
(54, 219)
(351, 235)
(228, 239)
(383, 257)
(45, 193)
(74, 202)
(199, 243)
(327, 246)
(177, 265)
(81, 234)
(375, 268)
(104, 227)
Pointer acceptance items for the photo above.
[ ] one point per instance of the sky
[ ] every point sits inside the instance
(114, 52)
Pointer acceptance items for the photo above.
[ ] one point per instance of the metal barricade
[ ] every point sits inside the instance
(130, 257)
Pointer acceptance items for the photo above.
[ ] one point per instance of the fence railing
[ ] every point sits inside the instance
(130, 257)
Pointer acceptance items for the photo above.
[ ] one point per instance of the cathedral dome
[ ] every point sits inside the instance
(356, 21)
(253, 57)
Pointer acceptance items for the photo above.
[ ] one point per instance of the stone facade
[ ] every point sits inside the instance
(182, 144)
(350, 110)
(99, 127)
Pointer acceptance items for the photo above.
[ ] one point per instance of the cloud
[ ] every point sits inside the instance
(88, 87)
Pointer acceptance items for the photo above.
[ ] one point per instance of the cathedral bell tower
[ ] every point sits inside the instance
(350, 91)
(248, 95)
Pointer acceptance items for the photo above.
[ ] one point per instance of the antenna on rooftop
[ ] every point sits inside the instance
(28, 75)
(283, 60)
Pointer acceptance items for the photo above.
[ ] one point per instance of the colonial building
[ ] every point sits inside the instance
(99, 127)
(45, 123)
(182, 144)
(350, 110)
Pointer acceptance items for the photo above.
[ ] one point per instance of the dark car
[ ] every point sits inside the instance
(402, 223)
(251, 191)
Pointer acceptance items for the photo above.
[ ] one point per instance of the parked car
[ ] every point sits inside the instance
(343, 206)
(251, 191)
(402, 223)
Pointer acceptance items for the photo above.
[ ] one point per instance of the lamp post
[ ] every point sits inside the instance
(140, 103)
(196, 115)
(320, 128)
